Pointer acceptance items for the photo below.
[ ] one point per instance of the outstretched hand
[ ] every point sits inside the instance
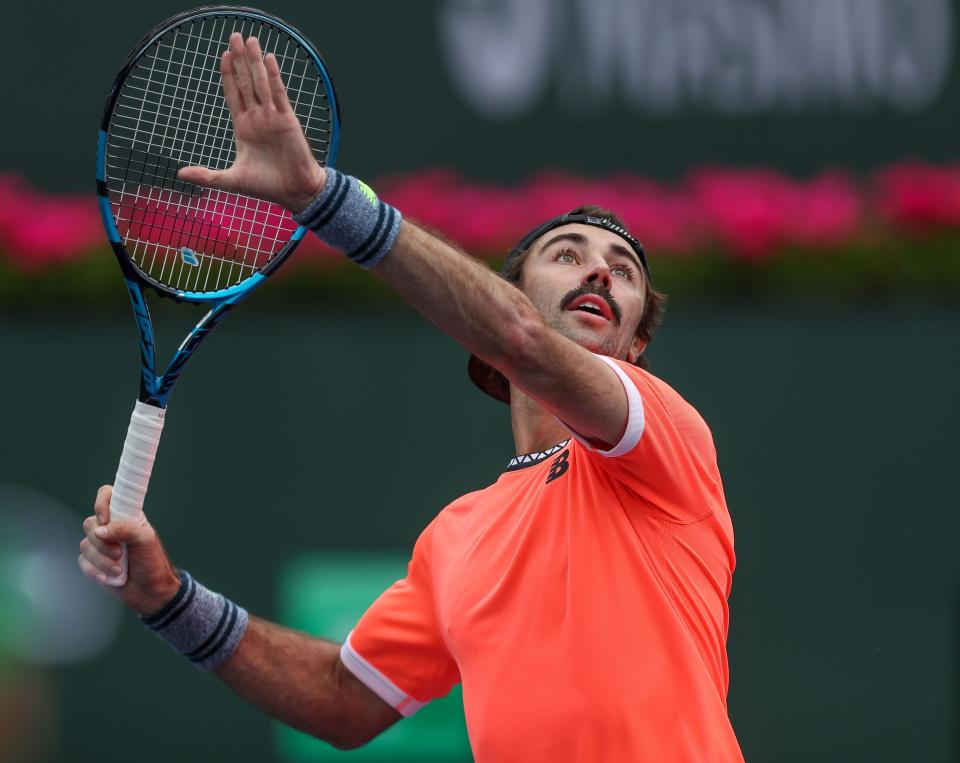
(274, 161)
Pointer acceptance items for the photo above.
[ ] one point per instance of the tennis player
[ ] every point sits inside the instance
(582, 598)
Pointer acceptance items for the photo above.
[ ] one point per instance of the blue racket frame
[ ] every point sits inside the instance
(155, 388)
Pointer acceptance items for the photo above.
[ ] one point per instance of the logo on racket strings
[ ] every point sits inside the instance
(189, 257)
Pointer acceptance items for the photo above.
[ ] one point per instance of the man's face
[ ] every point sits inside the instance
(589, 285)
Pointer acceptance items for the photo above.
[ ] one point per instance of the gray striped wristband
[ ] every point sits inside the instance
(203, 626)
(348, 216)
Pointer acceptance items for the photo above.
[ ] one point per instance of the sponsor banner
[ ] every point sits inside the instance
(497, 89)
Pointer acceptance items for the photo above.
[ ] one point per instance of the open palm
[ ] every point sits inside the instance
(274, 161)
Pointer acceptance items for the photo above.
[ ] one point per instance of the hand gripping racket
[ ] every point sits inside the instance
(167, 110)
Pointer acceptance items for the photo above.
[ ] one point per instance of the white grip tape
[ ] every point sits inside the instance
(133, 473)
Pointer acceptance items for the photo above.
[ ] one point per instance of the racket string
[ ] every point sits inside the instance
(158, 220)
(171, 113)
(208, 92)
(257, 202)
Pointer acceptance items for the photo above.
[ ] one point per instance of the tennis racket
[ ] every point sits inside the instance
(167, 110)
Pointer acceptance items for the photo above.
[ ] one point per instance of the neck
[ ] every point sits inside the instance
(534, 429)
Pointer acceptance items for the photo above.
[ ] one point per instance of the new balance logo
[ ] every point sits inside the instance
(559, 467)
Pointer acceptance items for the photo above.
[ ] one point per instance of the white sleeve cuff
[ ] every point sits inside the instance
(634, 428)
(377, 682)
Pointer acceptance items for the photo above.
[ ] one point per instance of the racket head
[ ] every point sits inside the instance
(166, 110)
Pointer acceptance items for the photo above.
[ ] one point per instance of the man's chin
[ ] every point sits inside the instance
(590, 339)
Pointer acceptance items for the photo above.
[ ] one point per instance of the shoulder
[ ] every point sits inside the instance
(452, 518)
(667, 456)
(458, 507)
(655, 411)
(655, 394)
(645, 381)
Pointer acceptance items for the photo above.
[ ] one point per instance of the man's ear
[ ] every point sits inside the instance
(637, 346)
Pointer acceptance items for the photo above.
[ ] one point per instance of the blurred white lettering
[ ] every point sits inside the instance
(736, 57)
(498, 51)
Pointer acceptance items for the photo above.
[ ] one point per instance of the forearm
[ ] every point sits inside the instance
(460, 295)
(490, 317)
(497, 322)
(300, 681)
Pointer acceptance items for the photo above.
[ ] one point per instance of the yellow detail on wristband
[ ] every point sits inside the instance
(368, 192)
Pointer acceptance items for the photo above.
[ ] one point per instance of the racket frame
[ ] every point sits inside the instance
(155, 388)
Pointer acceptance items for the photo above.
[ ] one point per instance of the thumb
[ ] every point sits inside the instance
(133, 532)
(207, 178)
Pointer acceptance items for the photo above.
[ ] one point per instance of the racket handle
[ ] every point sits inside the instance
(133, 473)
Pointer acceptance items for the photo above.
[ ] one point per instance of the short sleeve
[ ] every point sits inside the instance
(666, 455)
(396, 649)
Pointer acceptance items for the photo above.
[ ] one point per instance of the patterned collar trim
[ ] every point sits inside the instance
(530, 459)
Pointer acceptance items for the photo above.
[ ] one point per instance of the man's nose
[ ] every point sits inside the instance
(599, 273)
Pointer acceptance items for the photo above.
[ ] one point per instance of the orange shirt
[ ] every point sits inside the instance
(581, 600)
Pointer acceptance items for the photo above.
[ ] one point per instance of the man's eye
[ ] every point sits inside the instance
(566, 255)
(623, 271)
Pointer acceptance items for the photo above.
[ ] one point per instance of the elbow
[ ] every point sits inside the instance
(344, 738)
(348, 741)
(348, 714)
(355, 715)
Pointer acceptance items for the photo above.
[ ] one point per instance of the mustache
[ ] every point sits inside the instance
(596, 290)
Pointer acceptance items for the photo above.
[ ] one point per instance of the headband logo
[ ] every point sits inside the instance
(603, 221)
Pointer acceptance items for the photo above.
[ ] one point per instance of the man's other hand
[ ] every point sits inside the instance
(151, 579)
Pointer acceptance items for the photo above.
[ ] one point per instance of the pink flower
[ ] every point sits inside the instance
(37, 229)
(488, 218)
(756, 211)
(830, 211)
(751, 213)
(919, 197)
(474, 215)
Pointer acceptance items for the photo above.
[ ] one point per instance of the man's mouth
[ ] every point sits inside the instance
(593, 304)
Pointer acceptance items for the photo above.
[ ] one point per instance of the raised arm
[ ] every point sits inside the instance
(497, 322)
(295, 678)
(488, 316)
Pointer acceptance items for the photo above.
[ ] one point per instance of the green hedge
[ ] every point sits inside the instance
(921, 268)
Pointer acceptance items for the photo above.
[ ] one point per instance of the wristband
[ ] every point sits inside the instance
(203, 626)
(348, 216)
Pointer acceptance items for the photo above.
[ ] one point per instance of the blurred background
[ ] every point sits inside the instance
(791, 166)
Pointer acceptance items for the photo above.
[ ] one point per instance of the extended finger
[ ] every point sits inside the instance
(98, 561)
(230, 90)
(101, 505)
(222, 180)
(258, 74)
(278, 92)
(241, 69)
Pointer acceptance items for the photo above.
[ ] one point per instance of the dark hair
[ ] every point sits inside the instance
(655, 302)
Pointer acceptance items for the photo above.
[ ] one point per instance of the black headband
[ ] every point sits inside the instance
(597, 222)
